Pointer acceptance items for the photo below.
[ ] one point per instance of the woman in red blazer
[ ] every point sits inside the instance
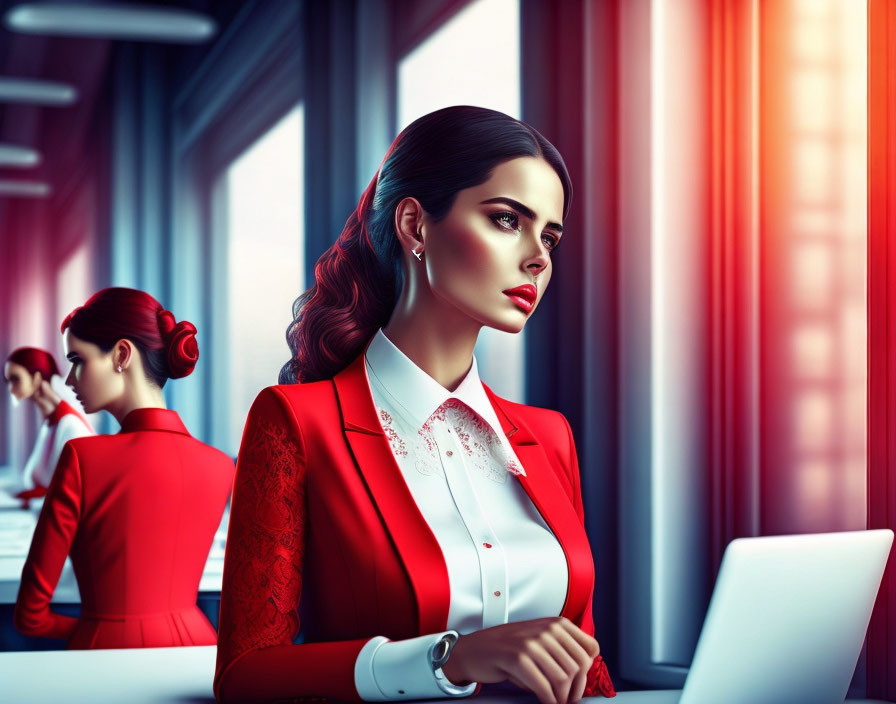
(136, 511)
(381, 497)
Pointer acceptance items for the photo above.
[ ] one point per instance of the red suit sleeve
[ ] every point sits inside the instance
(52, 539)
(262, 585)
(598, 681)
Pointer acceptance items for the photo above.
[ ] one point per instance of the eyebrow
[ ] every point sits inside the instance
(528, 212)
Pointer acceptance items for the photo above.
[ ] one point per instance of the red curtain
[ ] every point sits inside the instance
(882, 329)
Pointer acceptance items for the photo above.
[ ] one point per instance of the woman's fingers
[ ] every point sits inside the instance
(590, 645)
(525, 673)
(556, 664)
(550, 657)
(574, 661)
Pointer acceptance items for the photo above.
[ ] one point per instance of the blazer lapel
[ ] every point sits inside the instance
(552, 500)
(415, 543)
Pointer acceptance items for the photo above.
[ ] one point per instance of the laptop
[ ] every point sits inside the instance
(787, 619)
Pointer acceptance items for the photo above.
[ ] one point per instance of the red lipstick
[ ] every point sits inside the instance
(524, 296)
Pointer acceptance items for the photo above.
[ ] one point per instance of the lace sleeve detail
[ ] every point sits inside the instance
(598, 681)
(266, 538)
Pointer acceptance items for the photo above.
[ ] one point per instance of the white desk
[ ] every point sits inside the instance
(670, 696)
(169, 676)
(17, 527)
(144, 676)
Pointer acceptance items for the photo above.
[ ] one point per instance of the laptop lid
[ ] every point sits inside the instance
(787, 619)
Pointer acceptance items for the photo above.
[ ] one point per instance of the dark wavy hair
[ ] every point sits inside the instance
(358, 280)
(168, 349)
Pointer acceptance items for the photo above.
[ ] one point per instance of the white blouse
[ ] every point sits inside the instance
(62, 425)
(504, 563)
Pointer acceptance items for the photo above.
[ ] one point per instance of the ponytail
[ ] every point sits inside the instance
(352, 296)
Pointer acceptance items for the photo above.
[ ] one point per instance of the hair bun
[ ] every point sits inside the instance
(165, 319)
(183, 351)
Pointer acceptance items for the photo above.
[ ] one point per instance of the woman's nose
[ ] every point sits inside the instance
(536, 263)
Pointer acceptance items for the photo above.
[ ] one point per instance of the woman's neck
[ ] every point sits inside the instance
(141, 396)
(439, 342)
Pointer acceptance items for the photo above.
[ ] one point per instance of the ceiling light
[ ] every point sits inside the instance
(110, 20)
(25, 90)
(18, 157)
(28, 189)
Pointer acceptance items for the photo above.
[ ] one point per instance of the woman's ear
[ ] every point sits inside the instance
(409, 216)
(122, 354)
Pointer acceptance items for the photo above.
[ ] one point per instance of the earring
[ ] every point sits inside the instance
(417, 253)
(119, 369)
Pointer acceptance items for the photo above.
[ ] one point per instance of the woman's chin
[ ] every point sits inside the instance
(514, 325)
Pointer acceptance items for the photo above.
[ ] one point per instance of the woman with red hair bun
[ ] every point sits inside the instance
(28, 371)
(138, 510)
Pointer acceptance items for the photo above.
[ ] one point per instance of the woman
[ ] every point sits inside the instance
(137, 510)
(28, 372)
(390, 496)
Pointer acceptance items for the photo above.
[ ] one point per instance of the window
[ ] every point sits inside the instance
(259, 200)
(473, 59)
(813, 128)
(752, 389)
(73, 288)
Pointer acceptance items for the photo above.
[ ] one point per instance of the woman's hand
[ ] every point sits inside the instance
(550, 657)
(43, 391)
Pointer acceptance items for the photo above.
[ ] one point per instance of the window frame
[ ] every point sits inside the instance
(252, 77)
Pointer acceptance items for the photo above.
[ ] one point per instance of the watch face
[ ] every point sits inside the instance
(440, 652)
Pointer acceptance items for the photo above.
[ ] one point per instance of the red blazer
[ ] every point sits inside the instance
(322, 519)
(138, 512)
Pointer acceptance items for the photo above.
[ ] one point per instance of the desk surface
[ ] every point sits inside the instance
(17, 527)
(169, 675)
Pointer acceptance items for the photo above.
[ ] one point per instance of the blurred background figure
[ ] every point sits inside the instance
(150, 492)
(27, 372)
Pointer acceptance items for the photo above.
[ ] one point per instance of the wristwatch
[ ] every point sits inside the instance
(438, 656)
(441, 649)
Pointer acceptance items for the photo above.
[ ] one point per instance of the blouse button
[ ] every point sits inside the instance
(497, 593)
(449, 453)
(486, 545)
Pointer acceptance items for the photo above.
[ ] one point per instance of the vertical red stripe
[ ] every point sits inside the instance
(882, 329)
(732, 277)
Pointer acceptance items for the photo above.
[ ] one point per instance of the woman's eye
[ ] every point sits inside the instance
(509, 221)
(550, 241)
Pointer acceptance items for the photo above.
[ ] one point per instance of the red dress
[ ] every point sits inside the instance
(137, 512)
(323, 524)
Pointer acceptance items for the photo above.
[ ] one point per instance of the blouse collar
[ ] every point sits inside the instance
(417, 395)
(153, 419)
(62, 409)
